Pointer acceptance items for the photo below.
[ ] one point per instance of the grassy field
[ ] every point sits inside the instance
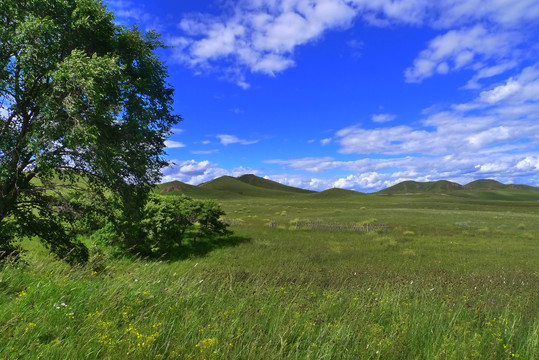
(452, 277)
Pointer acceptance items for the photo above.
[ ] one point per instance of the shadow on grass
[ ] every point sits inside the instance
(202, 247)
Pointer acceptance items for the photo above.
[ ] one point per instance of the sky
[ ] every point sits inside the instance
(355, 94)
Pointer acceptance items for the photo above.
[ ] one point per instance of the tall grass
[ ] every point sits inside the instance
(438, 289)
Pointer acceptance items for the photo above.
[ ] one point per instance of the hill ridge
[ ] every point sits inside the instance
(251, 185)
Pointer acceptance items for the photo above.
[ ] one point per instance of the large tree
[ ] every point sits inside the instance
(84, 105)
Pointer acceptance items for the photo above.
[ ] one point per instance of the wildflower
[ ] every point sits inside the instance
(206, 343)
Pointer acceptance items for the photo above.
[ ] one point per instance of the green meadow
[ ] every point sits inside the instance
(407, 273)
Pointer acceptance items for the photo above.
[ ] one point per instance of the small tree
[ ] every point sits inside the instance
(209, 220)
(168, 221)
(84, 106)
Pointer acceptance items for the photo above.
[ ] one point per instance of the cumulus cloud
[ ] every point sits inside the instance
(529, 163)
(262, 36)
(258, 36)
(507, 122)
(373, 174)
(196, 172)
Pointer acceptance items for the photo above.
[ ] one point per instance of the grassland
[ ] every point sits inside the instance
(453, 277)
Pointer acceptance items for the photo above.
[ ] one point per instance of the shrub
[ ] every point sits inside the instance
(168, 221)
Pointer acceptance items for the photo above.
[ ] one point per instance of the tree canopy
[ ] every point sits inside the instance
(84, 105)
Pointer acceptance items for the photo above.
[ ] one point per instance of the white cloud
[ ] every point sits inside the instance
(529, 163)
(499, 120)
(258, 36)
(301, 181)
(462, 48)
(500, 92)
(231, 139)
(326, 141)
(127, 12)
(489, 136)
(382, 118)
(308, 164)
(367, 181)
(204, 152)
(4, 112)
(262, 36)
(495, 135)
(171, 144)
(192, 172)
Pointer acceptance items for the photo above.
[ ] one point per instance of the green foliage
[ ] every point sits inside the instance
(84, 106)
(168, 221)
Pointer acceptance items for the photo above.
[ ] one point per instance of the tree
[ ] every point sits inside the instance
(168, 221)
(84, 106)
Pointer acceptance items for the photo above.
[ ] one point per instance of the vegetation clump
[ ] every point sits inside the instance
(85, 107)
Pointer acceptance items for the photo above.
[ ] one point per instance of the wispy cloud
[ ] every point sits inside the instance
(205, 152)
(382, 118)
(171, 144)
(128, 12)
(326, 141)
(231, 139)
(476, 47)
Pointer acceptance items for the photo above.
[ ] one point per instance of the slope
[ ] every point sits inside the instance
(228, 186)
(271, 185)
(410, 187)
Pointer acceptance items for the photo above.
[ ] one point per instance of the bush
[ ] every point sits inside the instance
(169, 221)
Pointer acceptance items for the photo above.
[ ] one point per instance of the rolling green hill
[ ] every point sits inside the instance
(227, 187)
(271, 185)
(180, 188)
(408, 187)
(335, 193)
(484, 184)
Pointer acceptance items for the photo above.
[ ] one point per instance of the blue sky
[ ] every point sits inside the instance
(357, 94)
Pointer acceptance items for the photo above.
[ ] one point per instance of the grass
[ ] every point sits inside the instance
(452, 278)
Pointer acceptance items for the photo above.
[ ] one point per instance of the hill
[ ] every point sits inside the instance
(410, 187)
(180, 188)
(270, 184)
(226, 187)
(335, 193)
(485, 184)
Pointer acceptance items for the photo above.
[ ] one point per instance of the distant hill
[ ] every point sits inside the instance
(269, 184)
(485, 184)
(410, 187)
(180, 188)
(483, 189)
(335, 193)
(251, 185)
(226, 187)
